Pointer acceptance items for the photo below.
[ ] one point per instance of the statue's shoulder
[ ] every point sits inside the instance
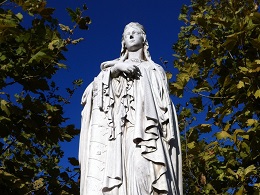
(159, 68)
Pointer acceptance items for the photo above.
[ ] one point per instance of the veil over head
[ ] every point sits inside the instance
(124, 51)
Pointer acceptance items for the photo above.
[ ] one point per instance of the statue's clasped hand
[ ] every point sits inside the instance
(128, 70)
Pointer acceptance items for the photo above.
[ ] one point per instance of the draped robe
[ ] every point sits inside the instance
(129, 141)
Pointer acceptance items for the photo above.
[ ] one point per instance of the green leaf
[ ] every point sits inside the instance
(256, 18)
(202, 86)
(64, 176)
(2, 118)
(204, 128)
(72, 14)
(19, 16)
(47, 12)
(32, 120)
(73, 161)
(231, 41)
(197, 104)
(223, 39)
(38, 56)
(255, 43)
(85, 6)
(2, 57)
(20, 51)
(7, 21)
(83, 23)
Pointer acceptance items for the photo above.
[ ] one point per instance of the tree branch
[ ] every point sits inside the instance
(3, 2)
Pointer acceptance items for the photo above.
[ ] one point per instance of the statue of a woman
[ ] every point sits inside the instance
(129, 142)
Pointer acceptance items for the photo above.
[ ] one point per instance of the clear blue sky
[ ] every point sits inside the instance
(103, 41)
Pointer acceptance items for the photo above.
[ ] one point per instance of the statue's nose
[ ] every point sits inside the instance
(131, 36)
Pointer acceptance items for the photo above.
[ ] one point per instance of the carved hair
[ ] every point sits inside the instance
(140, 28)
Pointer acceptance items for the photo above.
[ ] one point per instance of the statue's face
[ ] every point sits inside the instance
(133, 39)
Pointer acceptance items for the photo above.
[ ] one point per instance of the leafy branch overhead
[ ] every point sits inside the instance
(217, 55)
(32, 120)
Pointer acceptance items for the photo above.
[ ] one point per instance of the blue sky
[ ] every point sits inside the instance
(102, 41)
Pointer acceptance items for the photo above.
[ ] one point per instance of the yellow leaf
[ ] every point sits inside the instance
(250, 122)
(231, 172)
(192, 23)
(250, 170)
(223, 135)
(241, 173)
(227, 126)
(240, 84)
(194, 41)
(246, 80)
(204, 128)
(38, 184)
(203, 179)
(236, 132)
(240, 191)
(212, 144)
(168, 75)
(191, 145)
(257, 93)
(4, 107)
(19, 16)
(52, 44)
(243, 69)
(257, 61)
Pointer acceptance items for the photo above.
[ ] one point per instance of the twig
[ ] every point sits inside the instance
(3, 2)
(3, 151)
(200, 94)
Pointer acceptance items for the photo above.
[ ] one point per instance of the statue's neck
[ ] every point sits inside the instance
(139, 54)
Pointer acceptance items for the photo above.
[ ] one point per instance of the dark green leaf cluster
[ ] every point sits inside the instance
(32, 120)
(218, 58)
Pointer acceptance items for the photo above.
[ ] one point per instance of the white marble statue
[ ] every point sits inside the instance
(129, 142)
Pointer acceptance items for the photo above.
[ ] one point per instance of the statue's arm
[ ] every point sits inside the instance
(163, 76)
(118, 66)
(87, 92)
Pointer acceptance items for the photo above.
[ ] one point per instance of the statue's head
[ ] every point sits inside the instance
(136, 31)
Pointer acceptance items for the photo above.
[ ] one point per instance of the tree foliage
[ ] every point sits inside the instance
(32, 120)
(218, 59)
